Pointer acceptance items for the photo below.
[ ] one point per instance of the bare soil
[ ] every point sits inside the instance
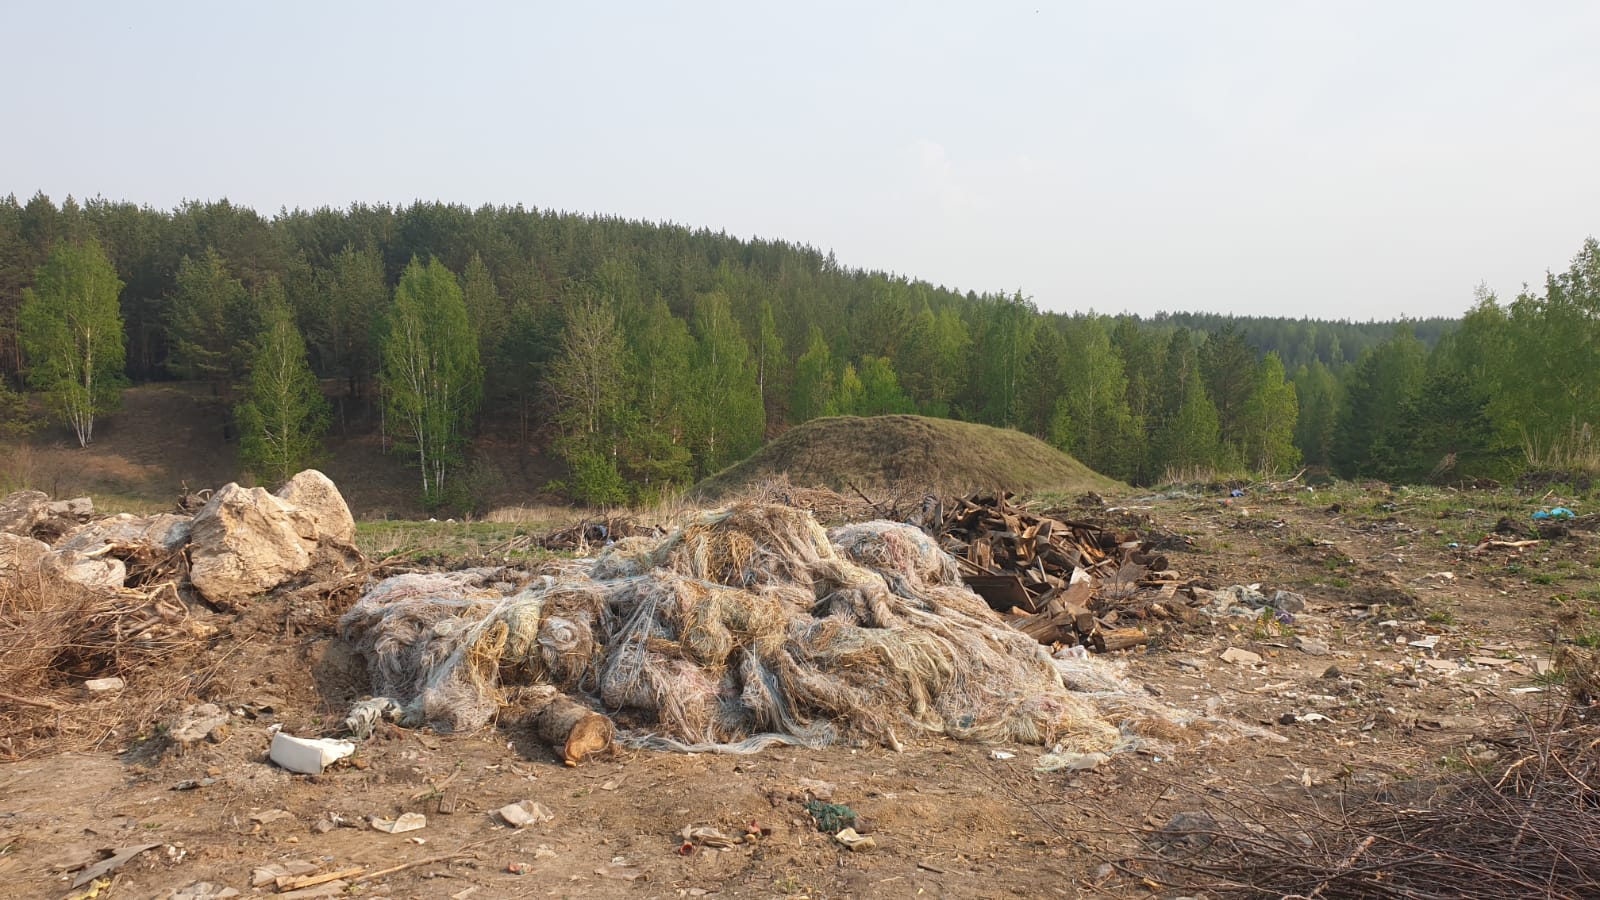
(948, 819)
(173, 435)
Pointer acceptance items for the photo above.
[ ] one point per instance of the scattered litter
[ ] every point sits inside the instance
(706, 836)
(620, 870)
(1070, 762)
(830, 817)
(104, 685)
(1001, 754)
(366, 714)
(856, 843)
(267, 817)
(820, 790)
(118, 858)
(518, 868)
(405, 822)
(527, 812)
(201, 890)
(308, 756)
(262, 876)
(1559, 512)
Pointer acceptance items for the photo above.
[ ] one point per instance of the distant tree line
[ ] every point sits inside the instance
(648, 355)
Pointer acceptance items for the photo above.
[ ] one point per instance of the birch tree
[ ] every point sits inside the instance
(284, 415)
(72, 337)
(431, 376)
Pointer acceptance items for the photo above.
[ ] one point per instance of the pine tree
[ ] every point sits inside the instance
(431, 377)
(71, 334)
(1374, 429)
(212, 321)
(769, 364)
(1189, 439)
(1265, 429)
(283, 415)
(486, 312)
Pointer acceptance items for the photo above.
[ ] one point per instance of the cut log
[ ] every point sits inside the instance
(1119, 639)
(572, 730)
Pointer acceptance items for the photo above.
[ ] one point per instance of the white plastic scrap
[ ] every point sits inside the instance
(308, 756)
(1071, 762)
(366, 714)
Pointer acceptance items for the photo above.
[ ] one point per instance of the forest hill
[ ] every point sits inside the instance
(648, 355)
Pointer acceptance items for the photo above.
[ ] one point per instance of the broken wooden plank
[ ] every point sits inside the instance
(1001, 592)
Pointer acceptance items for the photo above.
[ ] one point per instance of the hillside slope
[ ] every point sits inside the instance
(939, 455)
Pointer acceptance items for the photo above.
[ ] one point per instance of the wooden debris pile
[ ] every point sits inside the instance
(1062, 581)
(593, 535)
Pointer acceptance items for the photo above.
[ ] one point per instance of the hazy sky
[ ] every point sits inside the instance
(1334, 159)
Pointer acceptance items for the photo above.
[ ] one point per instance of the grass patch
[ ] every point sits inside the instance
(434, 541)
(911, 453)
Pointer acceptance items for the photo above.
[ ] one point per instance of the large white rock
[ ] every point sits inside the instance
(146, 536)
(19, 557)
(21, 510)
(242, 544)
(246, 541)
(322, 515)
(99, 572)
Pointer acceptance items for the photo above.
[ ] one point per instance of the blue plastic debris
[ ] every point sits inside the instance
(1236, 492)
(1559, 512)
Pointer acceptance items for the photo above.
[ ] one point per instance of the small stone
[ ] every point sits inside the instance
(528, 812)
(218, 734)
(196, 722)
(1288, 601)
(1241, 657)
(1311, 646)
(104, 685)
(1332, 672)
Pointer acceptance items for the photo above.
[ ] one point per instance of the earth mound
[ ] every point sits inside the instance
(900, 452)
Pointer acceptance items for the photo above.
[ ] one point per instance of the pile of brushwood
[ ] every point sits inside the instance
(1062, 581)
(98, 614)
(1522, 819)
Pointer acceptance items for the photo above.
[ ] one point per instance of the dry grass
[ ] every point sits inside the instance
(883, 453)
(1526, 824)
(1577, 451)
(53, 636)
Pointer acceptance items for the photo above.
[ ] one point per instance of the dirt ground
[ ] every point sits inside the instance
(1385, 573)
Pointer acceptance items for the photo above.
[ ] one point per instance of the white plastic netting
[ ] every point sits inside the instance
(746, 626)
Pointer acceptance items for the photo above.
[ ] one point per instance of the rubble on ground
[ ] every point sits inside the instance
(86, 597)
(1062, 582)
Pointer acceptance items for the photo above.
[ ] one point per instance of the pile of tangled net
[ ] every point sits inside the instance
(747, 626)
